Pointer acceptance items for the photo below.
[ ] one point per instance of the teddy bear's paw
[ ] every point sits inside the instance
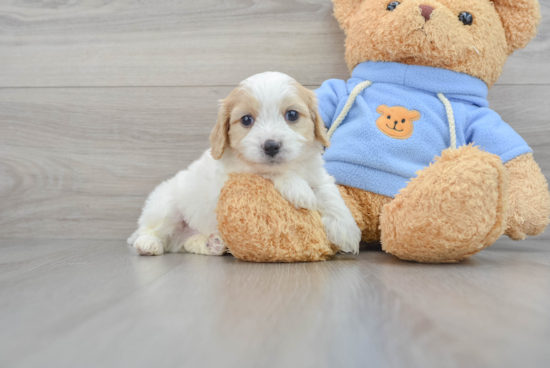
(343, 232)
(529, 198)
(296, 191)
(147, 245)
(452, 209)
(216, 245)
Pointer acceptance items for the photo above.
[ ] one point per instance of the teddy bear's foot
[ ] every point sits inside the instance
(258, 225)
(529, 198)
(454, 208)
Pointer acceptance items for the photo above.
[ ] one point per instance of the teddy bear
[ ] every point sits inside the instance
(422, 162)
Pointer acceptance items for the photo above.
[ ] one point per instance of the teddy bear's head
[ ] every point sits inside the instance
(468, 36)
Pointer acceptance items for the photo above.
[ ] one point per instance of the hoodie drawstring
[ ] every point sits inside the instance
(351, 99)
(450, 118)
(364, 85)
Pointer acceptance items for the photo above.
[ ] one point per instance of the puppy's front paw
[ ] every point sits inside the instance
(147, 245)
(343, 232)
(297, 192)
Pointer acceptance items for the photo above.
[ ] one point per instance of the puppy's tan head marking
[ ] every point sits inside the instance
(228, 130)
(219, 136)
(270, 119)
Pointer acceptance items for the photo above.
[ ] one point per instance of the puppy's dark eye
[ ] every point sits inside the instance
(247, 120)
(393, 5)
(292, 115)
(466, 18)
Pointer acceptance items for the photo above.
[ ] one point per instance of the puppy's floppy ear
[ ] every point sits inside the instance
(219, 137)
(320, 130)
(344, 10)
(520, 19)
(318, 124)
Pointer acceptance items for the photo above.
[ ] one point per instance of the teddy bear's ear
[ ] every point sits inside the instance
(344, 11)
(520, 19)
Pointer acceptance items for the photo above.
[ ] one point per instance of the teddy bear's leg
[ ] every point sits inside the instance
(529, 198)
(454, 208)
(258, 225)
(366, 208)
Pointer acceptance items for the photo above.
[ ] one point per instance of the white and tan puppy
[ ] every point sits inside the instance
(269, 125)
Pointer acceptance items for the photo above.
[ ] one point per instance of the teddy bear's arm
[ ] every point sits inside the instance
(529, 198)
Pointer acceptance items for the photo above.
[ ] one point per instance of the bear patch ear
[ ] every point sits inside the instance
(344, 11)
(383, 110)
(414, 115)
(520, 19)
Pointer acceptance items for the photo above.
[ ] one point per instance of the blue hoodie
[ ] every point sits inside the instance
(361, 155)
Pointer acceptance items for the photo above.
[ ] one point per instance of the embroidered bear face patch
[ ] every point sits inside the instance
(396, 122)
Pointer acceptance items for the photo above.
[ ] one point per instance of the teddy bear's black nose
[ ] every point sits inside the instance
(426, 11)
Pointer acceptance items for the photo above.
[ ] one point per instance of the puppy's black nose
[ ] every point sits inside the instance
(271, 148)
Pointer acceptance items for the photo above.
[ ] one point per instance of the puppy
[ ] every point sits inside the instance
(269, 125)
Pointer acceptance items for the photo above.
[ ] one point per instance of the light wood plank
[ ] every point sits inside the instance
(526, 109)
(79, 162)
(95, 304)
(190, 43)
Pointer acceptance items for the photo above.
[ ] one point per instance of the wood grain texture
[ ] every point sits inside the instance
(79, 162)
(190, 43)
(95, 304)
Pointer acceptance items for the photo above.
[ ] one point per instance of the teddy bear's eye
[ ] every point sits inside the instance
(466, 18)
(393, 5)
(389, 117)
(403, 121)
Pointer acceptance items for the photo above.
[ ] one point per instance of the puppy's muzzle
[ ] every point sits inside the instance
(271, 148)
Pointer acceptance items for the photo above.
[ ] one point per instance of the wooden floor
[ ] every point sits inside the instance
(101, 100)
(92, 303)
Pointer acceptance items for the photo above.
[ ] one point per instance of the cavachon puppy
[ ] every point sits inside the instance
(269, 125)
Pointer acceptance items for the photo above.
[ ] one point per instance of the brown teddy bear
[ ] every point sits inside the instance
(421, 161)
